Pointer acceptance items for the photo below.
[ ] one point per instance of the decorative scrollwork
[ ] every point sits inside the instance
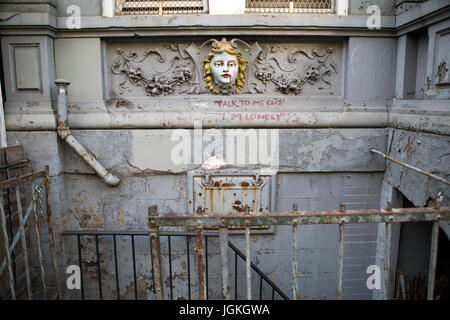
(251, 69)
(269, 69)
(179, 72)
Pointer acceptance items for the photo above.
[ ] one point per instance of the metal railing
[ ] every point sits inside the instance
(39, 205)
(83, 236)
(340, 217)
(157, 7)
(200, 222)
(289, 6)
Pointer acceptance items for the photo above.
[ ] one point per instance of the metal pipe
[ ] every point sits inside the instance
(223, 239)
(428, 174)
(155, 249)
(433, 259)
(65, 135)
(294, 261)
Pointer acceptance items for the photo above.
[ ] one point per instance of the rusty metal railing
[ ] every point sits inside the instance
(340, 217)
(224, 222)
(82, 237)
(39, 204)
(158, 7)
(289, 6)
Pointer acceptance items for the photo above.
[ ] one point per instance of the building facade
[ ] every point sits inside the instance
(313, 93)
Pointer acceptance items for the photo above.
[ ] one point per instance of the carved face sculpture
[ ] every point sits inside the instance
(224, 68)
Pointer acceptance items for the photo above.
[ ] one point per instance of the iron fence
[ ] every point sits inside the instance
(82, 237)
(223, 222)
(340, 217)
(29, 217)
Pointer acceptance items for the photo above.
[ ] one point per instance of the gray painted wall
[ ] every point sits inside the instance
(325, 142)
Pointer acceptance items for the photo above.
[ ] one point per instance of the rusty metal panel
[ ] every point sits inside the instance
(232, 192)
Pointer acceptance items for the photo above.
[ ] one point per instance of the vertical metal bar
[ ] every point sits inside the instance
(387, 265)
(433, 259)
(223, 239)
(294, 262)
(235, 276)
(24, 242)
(50, 232)
(134, 267)
(273, 293)
(341, 261)
(247, 262)
(206, 267)
(116, 268)
(11, 225)
(99, 273)
(6, 245)
(155, 249)
(260, 287)
(11, 230)
(170, 267)
(38, 242)
(188, 266)
(201, 265)
(80, 264)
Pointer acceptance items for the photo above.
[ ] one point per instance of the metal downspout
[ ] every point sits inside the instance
(65, 135)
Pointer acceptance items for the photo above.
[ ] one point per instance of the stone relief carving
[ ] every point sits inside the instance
(291, 80)
(227, 67)
(180, 70)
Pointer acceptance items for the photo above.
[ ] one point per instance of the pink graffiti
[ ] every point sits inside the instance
(237, 103)
(252, 116)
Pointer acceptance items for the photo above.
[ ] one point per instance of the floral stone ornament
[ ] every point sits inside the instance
(224, 70)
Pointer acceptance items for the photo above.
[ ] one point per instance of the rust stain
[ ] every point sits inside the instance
(121, 219)
(408, 147)
(88, 219)
(142, 287)
(211, 199)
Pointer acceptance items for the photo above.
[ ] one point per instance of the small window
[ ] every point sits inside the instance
(156, 7)
(289, 6)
